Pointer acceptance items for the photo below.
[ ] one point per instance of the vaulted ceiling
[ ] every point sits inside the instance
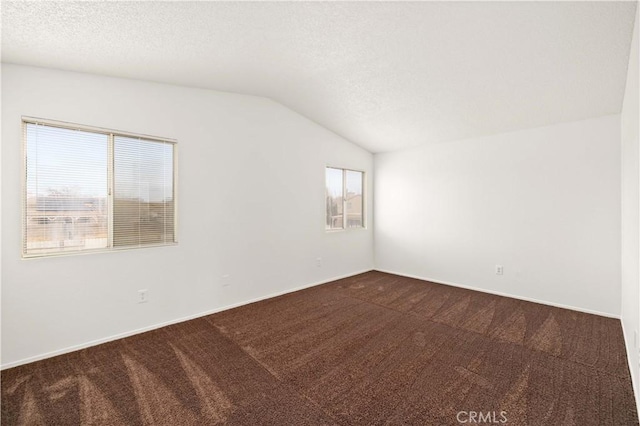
(385, 75)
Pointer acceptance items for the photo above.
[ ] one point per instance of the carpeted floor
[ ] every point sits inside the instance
(371, 349)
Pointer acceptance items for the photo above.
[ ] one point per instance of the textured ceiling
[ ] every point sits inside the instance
(385, 75)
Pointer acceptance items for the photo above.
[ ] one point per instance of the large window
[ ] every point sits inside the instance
(92, 189)
(345, 201)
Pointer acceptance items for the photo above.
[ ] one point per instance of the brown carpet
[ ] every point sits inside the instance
(371, 349)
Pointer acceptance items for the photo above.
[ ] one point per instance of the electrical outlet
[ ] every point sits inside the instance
(499, 270)
(143, 297)
(319, 262)
(226, 282)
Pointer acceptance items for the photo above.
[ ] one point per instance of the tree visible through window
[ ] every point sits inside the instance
(344, 198)
(87, 190)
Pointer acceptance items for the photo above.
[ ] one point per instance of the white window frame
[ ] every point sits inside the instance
(111, 134)
(344, 199)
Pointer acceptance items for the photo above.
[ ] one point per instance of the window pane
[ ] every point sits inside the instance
(334, 187)
(143, 207)
(66, 190)
(354, 199)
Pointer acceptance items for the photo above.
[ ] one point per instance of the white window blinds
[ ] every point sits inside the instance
(91, 189)
(143, 192)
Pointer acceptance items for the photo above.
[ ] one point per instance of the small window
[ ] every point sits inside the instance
(93, 189)
(344, 198)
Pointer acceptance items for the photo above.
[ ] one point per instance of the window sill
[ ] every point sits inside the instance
(92, 251)
(335, 231)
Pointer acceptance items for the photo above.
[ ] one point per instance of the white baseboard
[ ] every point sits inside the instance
(634, 381)
(166, 323)
(498, 293)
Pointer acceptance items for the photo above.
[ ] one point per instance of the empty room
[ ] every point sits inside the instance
(320, 213)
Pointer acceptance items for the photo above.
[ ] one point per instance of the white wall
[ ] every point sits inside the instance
(251, 205)
(544, 203)
(631, 210)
